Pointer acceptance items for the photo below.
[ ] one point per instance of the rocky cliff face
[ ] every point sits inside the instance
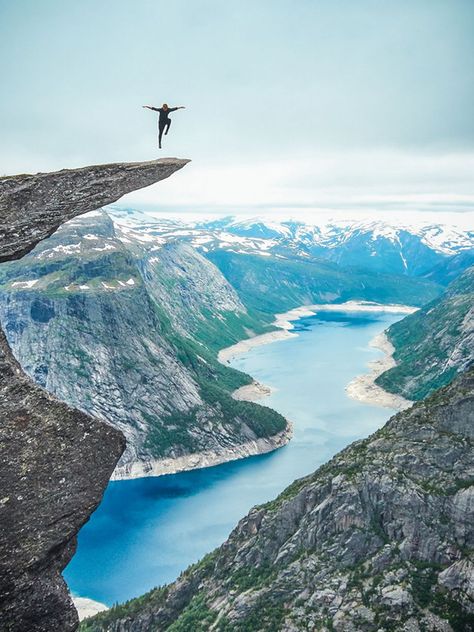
(122, 329)
(434, 344)
(32, 207)
(380, 538)
(55, 460)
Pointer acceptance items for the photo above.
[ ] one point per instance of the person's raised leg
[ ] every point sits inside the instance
(167, 126)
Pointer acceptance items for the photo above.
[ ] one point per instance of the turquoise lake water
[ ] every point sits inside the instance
(146, 531)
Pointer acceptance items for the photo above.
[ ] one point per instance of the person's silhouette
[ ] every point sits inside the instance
(164, 121)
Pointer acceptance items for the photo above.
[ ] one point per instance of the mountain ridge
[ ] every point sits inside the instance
(375, 245)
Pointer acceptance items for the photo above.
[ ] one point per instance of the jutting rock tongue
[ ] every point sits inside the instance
(33, 206)
(55, 461)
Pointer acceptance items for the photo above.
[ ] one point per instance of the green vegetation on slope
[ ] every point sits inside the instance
(99, 318)
(434, 344)
(269, 284)
(216, 384)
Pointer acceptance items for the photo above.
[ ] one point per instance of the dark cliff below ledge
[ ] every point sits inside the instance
(55, 461)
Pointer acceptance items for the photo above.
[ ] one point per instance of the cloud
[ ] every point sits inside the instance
(377, 180)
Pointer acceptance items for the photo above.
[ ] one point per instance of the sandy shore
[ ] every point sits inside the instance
(87, 607)
(225, 355)
(363, 387)
(284, 323)
(253, 392)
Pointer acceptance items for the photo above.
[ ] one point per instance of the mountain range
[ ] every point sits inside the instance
(125, 323)
(414, 249)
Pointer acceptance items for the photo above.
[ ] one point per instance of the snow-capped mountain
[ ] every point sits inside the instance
(415, 249)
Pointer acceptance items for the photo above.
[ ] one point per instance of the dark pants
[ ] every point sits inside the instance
(163, 127)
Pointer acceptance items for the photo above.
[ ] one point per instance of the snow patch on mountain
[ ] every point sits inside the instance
(388, 247)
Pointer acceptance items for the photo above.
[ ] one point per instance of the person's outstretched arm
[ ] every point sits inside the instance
(179, 107)
(150, 107)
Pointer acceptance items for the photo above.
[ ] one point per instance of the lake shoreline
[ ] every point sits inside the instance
(284, 322)
(363, 387)
(199, 460)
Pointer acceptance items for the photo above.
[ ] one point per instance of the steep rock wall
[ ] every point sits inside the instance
(55, 461)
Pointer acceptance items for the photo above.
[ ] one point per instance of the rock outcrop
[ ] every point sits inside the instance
(381, 538)
(55, 461)
(33, 206)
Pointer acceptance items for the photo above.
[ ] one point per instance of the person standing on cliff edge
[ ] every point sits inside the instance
(164, 121)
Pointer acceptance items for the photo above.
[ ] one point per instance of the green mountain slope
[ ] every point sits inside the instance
(270, 284)
(434, 344)
(127, 334)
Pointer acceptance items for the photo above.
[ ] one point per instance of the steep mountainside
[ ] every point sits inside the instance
(197, 298)
(447, 271)
(434, 344)
(274, 285)
(55, 461)
(379, 538)
(123, 332)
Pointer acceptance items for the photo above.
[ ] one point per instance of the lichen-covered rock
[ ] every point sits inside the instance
(55, 465)
(381, 538)
(55, 461)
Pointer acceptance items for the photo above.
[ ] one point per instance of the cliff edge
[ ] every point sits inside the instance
(55, 461)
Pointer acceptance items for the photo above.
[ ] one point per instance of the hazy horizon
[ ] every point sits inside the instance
(462, 221)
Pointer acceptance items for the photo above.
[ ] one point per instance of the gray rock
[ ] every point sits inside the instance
(378, 539)
(32, 207)
(55, 461)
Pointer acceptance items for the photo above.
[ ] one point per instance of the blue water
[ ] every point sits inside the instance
(146, 531)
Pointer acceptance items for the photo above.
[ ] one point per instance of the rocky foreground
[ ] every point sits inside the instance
(381, 538)
(55, 461)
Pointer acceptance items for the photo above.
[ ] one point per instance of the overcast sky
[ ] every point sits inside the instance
(290, 103)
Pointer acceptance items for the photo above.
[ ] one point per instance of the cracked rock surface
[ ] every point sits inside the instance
(55, 461)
